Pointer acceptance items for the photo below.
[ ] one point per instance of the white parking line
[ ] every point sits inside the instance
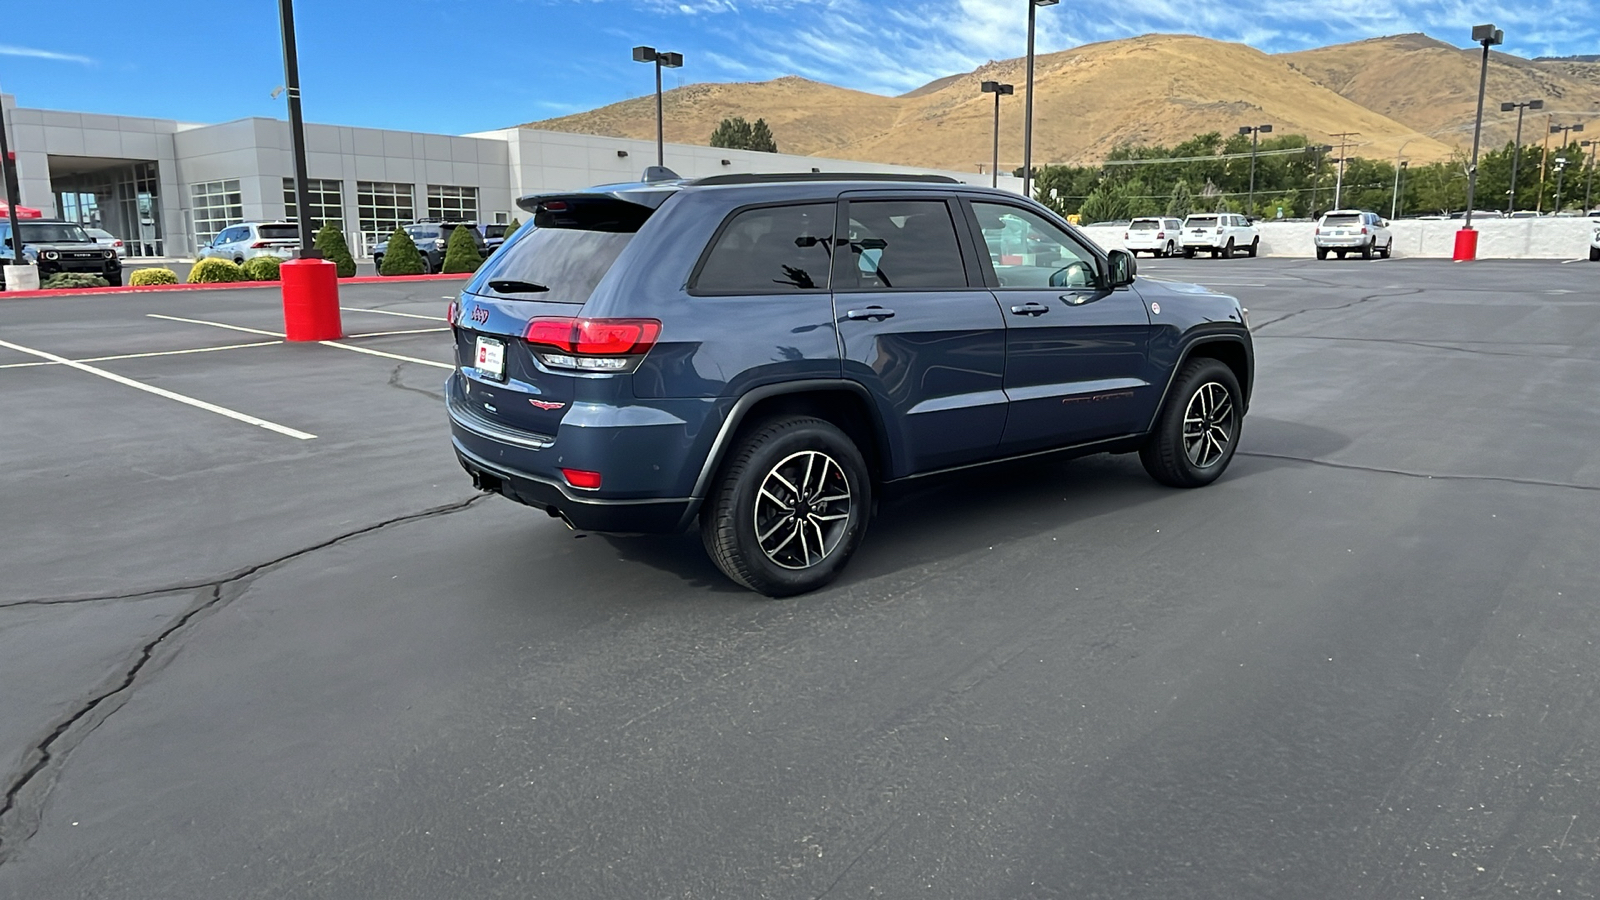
(387, 333)
(276, 334)
(409, 359)
(390, 312)
(162, 392)
(145, 355)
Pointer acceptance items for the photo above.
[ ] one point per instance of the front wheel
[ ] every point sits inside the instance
(789, 507)
(1255, 247)
(1387, 251)
(1198, 429)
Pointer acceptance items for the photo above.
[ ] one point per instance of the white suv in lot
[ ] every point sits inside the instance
(1158, 237)
(1220, 233)
(251, 239)
(1594, 236)
(1353, 231)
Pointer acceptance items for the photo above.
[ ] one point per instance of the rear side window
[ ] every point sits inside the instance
(565, 251)
(901, 244)
(770, 250)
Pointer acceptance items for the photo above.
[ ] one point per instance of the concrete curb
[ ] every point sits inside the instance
(149, 288)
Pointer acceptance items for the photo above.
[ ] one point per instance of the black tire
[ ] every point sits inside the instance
(1387, 251)
(1227, 252)
(1188, 253)
(377, 264)
(1255, 247)
(1322, 253)
(114, 280)
(1215, 253)
(1175, 455)
(1366, 252)
(238, 260)
(1594, 254)
(773, 455)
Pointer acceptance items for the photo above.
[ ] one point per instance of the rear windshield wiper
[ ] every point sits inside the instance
(517, 287)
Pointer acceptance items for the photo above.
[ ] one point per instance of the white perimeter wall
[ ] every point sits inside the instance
(1547, 238)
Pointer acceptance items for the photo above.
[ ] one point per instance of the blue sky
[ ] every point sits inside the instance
(469, 66)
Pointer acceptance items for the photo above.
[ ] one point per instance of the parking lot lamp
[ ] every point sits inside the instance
(297, 130)
(1399, 174)
(662, 60)
(1588, 167)
(1516, 148)
(1566, 139)
(1561, 170)
(998, 90)
(1027, 112)
(1466, 238)
(8, 169)
(1255, 132)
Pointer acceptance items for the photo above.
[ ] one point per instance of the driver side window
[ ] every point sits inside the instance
(1029, 251)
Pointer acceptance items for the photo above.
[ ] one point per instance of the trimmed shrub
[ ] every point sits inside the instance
(260, 268)
(461, 254)
(330, 240)
(142, 277)
(512, 229)
(401, 256)
(215, 271)
(62, 280)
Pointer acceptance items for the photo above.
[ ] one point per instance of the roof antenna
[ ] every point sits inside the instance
(660, 173)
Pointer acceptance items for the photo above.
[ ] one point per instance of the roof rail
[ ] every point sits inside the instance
(780, 177)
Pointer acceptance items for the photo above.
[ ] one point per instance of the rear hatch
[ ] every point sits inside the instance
(276, 236)
(541, 279)
(1200, 225)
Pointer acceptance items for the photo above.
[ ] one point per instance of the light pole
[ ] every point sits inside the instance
(1317, 152)
(1466, 238)
(8, 169)
(998, 90)
(1255, 132)
(1027, 114)
(662, 60)
(297, 130)
(1516, 149)
(1394, 205)
(1561, 161)
(1588, 167)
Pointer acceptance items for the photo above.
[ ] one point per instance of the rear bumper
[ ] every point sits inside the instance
(581, 513)
(1343, 243)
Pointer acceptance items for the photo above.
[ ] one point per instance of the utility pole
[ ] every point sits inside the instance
(1561, 161)
(1027, 114)
(1338, 184)
(297, 131)
(1467, 239)
(1394, 205)
(1588, 148)
(8, 168)
(1255, 132)
(1549, 122)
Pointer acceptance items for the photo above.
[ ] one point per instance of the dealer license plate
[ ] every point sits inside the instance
(490, 358)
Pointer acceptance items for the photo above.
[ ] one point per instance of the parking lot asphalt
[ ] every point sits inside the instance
(305, 661)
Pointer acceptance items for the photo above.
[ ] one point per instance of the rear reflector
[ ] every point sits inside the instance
(450, 313)
(595, 337)
(580, 478)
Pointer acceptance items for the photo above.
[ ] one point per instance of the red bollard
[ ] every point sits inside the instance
(1466, 245)
(310, 300)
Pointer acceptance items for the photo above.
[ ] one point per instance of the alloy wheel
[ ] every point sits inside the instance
(1208, 425)
(802, 510)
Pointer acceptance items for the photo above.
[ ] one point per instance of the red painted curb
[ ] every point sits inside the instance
(147, 288)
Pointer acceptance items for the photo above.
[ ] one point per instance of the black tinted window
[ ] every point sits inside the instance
(902, 244)
(773, 250)
(278, 232)
(569, 262)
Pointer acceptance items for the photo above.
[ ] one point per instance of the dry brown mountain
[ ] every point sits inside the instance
(1432, 87)
(1159, 89)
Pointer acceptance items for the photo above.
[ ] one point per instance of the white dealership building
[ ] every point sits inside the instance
(166, 187)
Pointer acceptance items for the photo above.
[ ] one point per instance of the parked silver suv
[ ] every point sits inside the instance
(248, 240)
(1345, 231)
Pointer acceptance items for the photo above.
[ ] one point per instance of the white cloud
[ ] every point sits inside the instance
(32, 53)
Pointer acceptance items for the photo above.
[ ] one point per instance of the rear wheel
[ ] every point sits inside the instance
(1322, 253)
(1172, 249)
(1198, 429)
(788, 508)
(1227, 252)
(1594, 254)
(1188, 253)
(1255, 247)
(1366, 252)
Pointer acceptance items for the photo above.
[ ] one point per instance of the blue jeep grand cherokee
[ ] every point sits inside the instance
(768, 353)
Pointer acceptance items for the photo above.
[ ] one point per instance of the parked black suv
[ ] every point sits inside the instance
(57, 246)
(431, 239)
(770, 353)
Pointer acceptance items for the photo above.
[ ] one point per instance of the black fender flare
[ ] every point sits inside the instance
(1202, 336)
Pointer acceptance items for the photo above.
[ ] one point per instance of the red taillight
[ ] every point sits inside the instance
(1318, 230)
(450, 313)
(581, 478)
(1363, 229)
(595, 337)
(1219, 231)
(1126, 235)
(1161, 235)
(116, 243)
(258, 245)
(555, 205)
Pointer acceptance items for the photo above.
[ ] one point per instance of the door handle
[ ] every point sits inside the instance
(871, 314)
(1030, 309)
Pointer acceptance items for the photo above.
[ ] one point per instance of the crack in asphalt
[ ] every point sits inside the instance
(229, 587)
(1356, 302)
(1430, 476)
(394, 382)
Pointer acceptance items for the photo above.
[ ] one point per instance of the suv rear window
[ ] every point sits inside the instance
(1144, 225)
(278, 232)
(770, 250)
(1339, 221)
(567, 251)
(1202, 221)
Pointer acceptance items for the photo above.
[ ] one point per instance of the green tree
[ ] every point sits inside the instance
(733, 134)
(330, 240)
(461, 253)
(761, 138)
(1105, 203)
(1181, 203)
(512, 228)
(401, 256)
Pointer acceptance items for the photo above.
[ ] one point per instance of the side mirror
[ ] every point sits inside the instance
(1123, 268)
